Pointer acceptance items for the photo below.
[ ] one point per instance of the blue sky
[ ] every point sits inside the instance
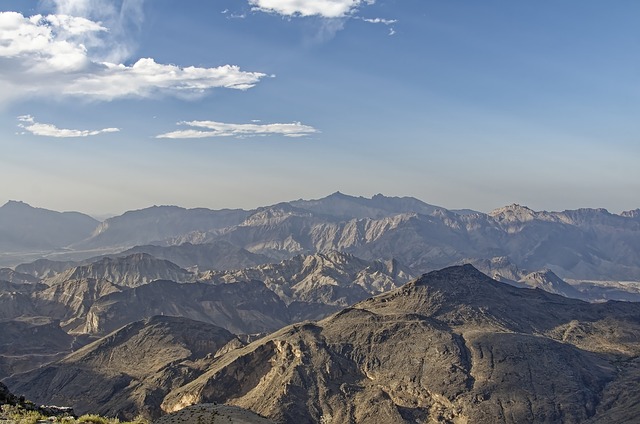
(113, 105)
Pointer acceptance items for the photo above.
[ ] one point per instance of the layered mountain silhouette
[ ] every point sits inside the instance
(158, 223)
(309, 311)
(580, 244)
(25, 228)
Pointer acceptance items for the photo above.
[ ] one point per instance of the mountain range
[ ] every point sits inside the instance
(339, 309)
(590, 244)
(451, 346)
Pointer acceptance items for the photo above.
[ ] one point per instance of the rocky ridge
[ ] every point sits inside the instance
(453, 346)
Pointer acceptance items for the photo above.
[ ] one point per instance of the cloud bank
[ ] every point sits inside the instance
(47, 130)
(51, 56)
(207, 129)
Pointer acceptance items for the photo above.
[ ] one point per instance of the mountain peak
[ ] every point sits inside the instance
(16, 204)
(635, 213)
(513, 212)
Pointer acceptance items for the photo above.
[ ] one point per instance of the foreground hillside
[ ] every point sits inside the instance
(128, 372)
(453, 346)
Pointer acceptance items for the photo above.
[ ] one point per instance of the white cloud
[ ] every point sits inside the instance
(48, 130)
(51, 56)
(322, 8)
(146, 77)
(121, 17)
(206, 129)
(379, 21)
(334, 13)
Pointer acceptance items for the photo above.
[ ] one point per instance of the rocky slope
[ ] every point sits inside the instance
(213, 413)
(242, 308)
(26, 343)
(70, 300)
(218, 255)
(330, 278)
(7, 274)
(129, 271)
(45, 268)
(129, 371)
(453, 346)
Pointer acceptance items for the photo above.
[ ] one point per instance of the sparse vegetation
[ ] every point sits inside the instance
(21, 415)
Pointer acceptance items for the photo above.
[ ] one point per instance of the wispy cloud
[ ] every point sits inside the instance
(207, 129)
(123, 18)
(29, 124)
(53, 56)
(379, 20)
(382, 21)
(323, 8)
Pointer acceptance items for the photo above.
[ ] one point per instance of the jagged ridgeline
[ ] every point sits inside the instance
(590, 244)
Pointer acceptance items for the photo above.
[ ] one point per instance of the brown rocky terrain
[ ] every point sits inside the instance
(453, 346)
(213, 414)
(129, 371)
(27, 342)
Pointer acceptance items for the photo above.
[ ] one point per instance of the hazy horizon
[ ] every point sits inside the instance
(108, 106)
(102, 215)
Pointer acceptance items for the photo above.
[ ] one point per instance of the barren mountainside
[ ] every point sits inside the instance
(129, 271)
(129, 371)
(453, 346)
(331, 278)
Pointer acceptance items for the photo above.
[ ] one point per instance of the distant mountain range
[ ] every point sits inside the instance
(590, 244)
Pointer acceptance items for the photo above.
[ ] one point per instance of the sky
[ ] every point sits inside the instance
(108, 106)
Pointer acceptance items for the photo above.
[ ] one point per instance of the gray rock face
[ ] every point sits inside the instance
(45, 268)
(129, 371)
(70, 300)
(453, 346)
(218, 255)
(7, 274)
(242, 308)
(129, 271)
(330, 278)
